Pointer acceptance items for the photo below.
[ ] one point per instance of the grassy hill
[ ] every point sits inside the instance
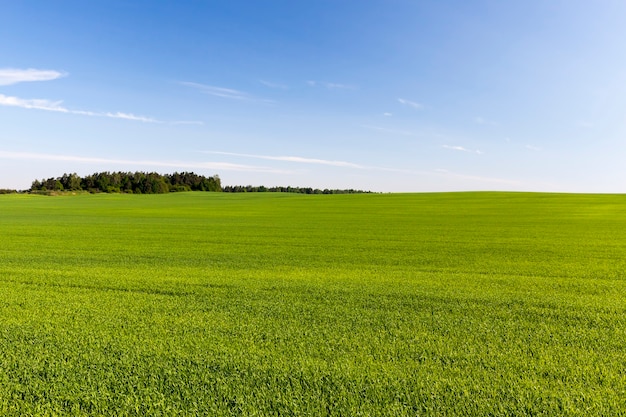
(282, 304)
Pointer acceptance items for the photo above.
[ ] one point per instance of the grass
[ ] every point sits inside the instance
(278, 304)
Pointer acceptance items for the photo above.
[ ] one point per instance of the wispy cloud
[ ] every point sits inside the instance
(392, 131)
(331, 86)
(274, 85)
(9, 76)
(413, 104)
(56, 106)
(455, 148)
(27, 156)
(485, 122)
(327, 162)
(129, 116)
(533, 148)
(228, 93)
(39, 104)
(387, 114)
(296, 159)
(462, 149)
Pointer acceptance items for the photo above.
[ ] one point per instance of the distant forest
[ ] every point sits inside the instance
(301, 190)
(129, 182)
(154, 183)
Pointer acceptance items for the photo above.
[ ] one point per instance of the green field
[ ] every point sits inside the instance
(279, 304)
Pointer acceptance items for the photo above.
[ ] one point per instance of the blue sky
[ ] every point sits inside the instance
(395, 95)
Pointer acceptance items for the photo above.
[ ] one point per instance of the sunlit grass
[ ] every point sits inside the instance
(278, 304)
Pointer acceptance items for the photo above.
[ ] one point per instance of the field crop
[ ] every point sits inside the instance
(278, 304)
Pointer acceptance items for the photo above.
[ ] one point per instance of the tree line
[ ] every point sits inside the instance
(301, 190)
(129, 182)
(154, 183)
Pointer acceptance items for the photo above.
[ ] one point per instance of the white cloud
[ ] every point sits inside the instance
(485, 122)
(9, 76)
(218, 91)
(130, 116)
(336, 86)
(392, 131)
(387, 114)
(274, 85)
(39, 104)
(462, 149)
(533, 148)
(222, 92)
(297, 159)
(27, 156)
(56, 106)
(412, 104)
(456, 148)
(331, 86)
